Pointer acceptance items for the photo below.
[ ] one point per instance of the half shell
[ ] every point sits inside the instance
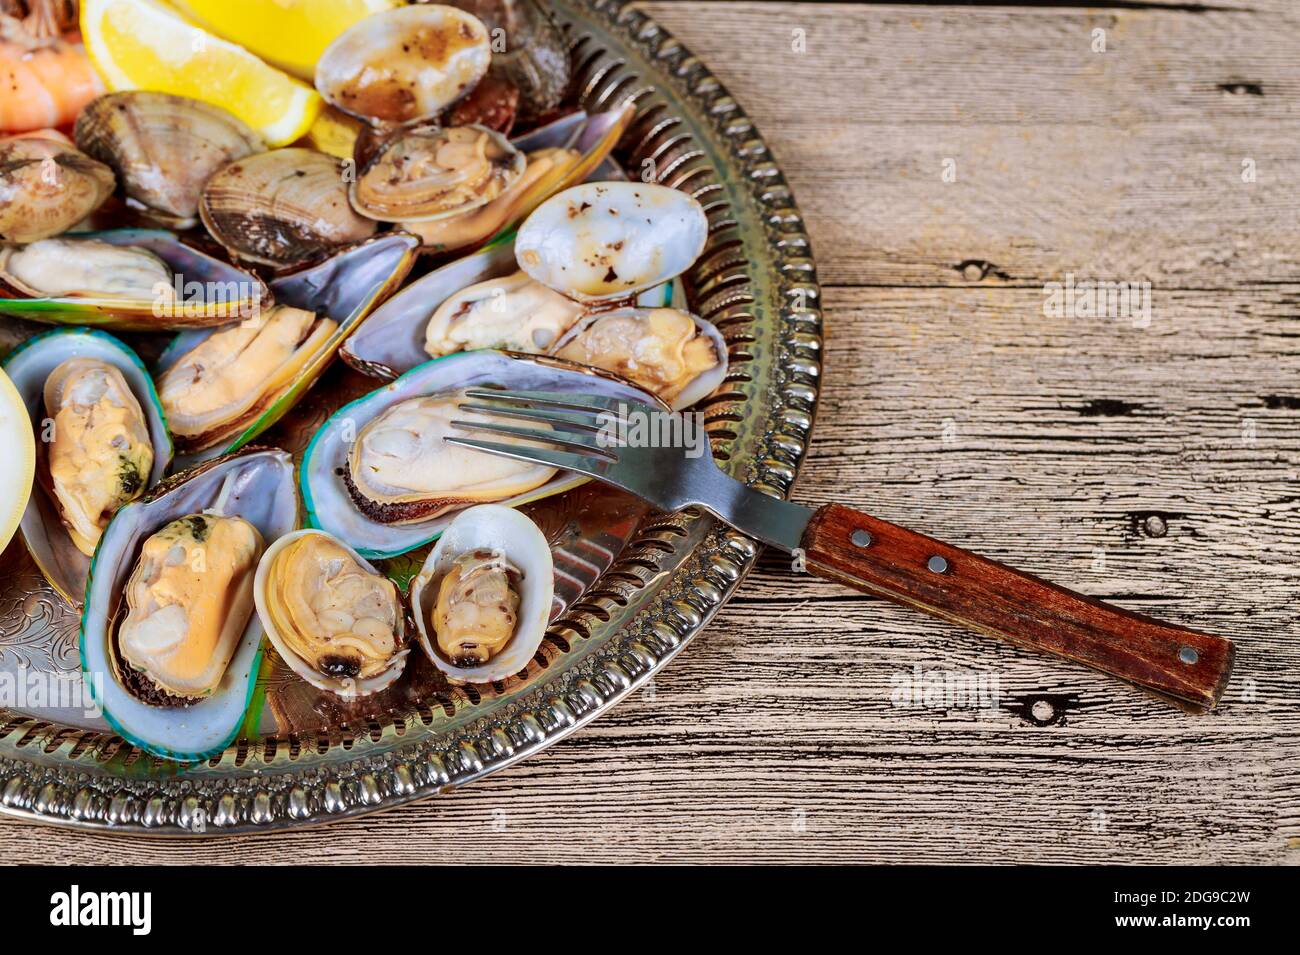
(164, 148)
(256, 485)
(515, 544)
(282, 208)
(29, 367)
(394, 339)
(203, 291)
(47, 187)
(324, 484)
(343, 289)
(339, 579)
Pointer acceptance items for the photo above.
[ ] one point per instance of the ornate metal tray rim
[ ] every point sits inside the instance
(758, 264)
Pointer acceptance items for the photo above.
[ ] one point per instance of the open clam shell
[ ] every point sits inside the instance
(391, 342)
(517, 541)
(256, 485)
(29, 366)
(345, 288)
(205, 291)
(693, 390)
(559, 154)
(344, 687)
(323, 482)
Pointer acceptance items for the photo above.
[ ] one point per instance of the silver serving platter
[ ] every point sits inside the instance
(637, 586)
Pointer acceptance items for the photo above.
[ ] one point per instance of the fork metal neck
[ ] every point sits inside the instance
(770, 519)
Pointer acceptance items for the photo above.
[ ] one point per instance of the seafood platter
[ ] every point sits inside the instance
(248, 288)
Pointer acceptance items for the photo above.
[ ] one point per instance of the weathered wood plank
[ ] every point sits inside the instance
(1122, 165)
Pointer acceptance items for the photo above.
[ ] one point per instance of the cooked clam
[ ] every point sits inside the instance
(405, 65)
(335, 620)
(483, 597)
(669, 353)
(99, 453)
(401, 470)
(609, 241)
(164, 148)
(433, 173)
(188, 602)
(87, 268)
(47, 187)
(181, 651)
(515, 313)
(282, 208)
(214, 390)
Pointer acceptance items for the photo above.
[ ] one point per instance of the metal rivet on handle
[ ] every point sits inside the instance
(861, 538)
(937, 565)
(1188, 655)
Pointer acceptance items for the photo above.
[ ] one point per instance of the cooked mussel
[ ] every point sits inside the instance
(168, 625)
(47, 187)
(87, 268)
(282, 208)
(514, 313)
(164, 148)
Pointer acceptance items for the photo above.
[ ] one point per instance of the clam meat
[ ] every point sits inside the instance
(331, 616)
(282, 208)
(515, 313)
(482, 600)
(662, 350)
(188, 602)
(47, 187)
(212, 391)
(164, 148)
(435, 173)
(99, 452)
(400, 470)
(88, 268)
(405, 65)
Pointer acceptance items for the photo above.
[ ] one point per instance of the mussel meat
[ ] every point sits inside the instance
(99, 452)
(515, 313)
(214, 390)
(400, 470)
(164, 148)
(47, 187)
(188, 602)
(282, 208)
(88, 268)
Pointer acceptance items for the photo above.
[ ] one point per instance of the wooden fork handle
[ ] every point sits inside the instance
(908, 568)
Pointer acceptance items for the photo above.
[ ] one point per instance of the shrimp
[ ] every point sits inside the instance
(45, 76)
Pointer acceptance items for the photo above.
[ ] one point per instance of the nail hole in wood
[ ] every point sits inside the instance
(937, 565)
(1188, 655)
(1156, 526)
(861, 538)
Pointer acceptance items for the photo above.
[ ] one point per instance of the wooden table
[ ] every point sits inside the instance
(951, 162)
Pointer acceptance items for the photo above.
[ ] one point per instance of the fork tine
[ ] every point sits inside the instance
(563, 439)
(506, 410)
(592, 404)
(556, 459)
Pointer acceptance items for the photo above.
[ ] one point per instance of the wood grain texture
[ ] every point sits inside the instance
(1155, 467)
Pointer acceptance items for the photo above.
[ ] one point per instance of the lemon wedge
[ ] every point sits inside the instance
(143, 44)
(290, 34)
(18, 463)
